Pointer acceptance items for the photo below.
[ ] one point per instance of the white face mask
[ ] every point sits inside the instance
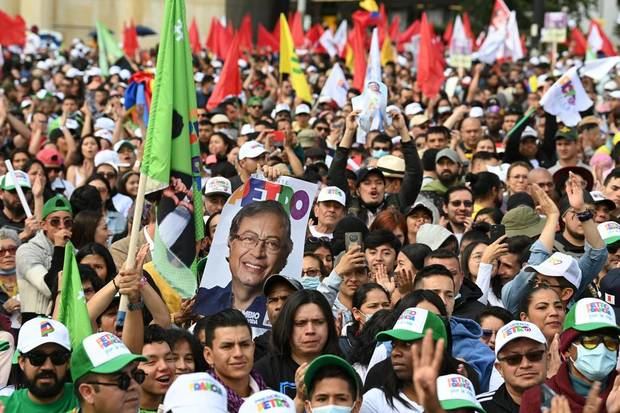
(332, 409)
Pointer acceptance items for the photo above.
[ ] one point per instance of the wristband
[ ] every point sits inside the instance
(135, 306)
(114, 283)
(584, 216)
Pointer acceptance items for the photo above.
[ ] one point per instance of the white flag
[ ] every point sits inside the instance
(327, 41)
(340, 37)
(336, 86)
(598, 68)
(491, 46)
(460, 46)
(566, 98)
(514, 49)
(373, 70)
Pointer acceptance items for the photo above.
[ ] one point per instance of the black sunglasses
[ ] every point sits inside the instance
(58, 357)
(123, 381)
(531, 356)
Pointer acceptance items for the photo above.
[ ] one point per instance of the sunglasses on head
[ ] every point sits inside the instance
(123, 381)
(531, 356)
(56, 222)
(318, 240)
(58, 357)
(591, 342)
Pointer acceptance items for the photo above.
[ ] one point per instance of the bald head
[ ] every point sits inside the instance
(544, 179)
(471, 132)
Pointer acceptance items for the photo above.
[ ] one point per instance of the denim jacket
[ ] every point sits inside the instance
(590, 263)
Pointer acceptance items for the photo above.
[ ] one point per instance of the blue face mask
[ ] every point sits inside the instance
(378, 153)
(595, 364)
(311, 283)
(332, 409)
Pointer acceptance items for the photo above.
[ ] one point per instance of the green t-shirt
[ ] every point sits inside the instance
(147, 411)
(19, 402)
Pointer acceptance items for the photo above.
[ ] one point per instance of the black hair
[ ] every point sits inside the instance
(84, 227)
(469, 249)
(20, 150)
(519, 245)
(495, 213)
(122, 182)
(282, 330)
(329, 372)
(442, 254)
(154, 333)
(454, 189)
(439, 129)
(176, 335)
(529, 294)
(497, 312)
(230, 144)
(483, 156)
(77, 155)
(381, 237)
(93, 248)
(88, 274)
(201, 325)
(314, 243)
(615, 173)
(416, 253)
(84, 198)
(322, 269)
(359, 298)
(229, 317)
(109, 205)
(431, 271)
(365, 344)
(383, 138)
(482, 183)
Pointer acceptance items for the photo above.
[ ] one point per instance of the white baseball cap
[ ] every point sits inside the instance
(476, 112)
(217, 185)
(610, 231)
(515, 330)
(104, 123)
(246, 129)
(332, 193)
(456, 392)
(615, 94)
(196, 393)
(559, 265)
(251, 149)
(413, 109)
(114, 70)
(268, 400)
(7, 183)
(282, 107)
(39, 331)
(302, 109)
(108, 157)
(104, 134)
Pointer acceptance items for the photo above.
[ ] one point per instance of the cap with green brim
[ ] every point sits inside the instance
(329, 360)
(102, 353)
(56, 204)
(7, 183)
(566, 133)
(413, 324)
(456, 392)
(590, 314)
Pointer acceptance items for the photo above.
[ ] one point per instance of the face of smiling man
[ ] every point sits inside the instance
(257, 250)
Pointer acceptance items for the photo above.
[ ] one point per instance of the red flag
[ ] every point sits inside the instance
(13, 30)
(245, 33)
(213, 39)
(430, 62)
(276, 31)
(312, 38)
(578, 42)
(130, 40)
(395, 27)
(229, 83)
(266, 41)
(359, 56)
(297, 30)
(447, 34)
(404, 37)
(194, 37)
(607, 46)
(500, 15)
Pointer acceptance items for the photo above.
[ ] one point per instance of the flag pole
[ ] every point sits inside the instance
(525, 117)
(130, 262)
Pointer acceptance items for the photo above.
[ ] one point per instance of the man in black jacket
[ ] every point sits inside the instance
(370, 197)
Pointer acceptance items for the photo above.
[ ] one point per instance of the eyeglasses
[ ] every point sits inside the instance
(56, 222)
(458, 203)
(322, 129)
(8, 251)
(108, 175)
(311, 272)
(542, 283)
(249, 241)
(58, 358)
(487, 334)
(591, 342)
(531, 356)
(317, 240)
(123, 381)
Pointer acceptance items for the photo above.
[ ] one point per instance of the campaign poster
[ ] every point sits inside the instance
(261, 232)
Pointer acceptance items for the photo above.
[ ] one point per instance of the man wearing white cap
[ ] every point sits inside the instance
(521, 351)
(12, 215)
(43, 353)
(302, 117)
(196, 393)
(252, 156)
(216, 192)
(267, 400)
(329, 209)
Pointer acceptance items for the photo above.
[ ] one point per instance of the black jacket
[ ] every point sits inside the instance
(467, 305)
(498, 401)
(409, 189)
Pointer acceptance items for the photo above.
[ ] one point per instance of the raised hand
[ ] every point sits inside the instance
(574, 192)
(545, 204)
(426, 359)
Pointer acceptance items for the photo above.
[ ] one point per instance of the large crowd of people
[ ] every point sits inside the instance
(483, 278)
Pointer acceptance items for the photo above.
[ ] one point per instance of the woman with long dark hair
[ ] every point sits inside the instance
(99, 259)
(304, 330)
(82, 162)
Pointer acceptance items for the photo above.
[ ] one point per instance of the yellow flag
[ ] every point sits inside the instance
(348, 58)
(388, 53)
(369, 5)
(289, 63)
(533, 83)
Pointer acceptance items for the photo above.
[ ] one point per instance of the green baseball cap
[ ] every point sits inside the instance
(7, 183)
(590, 314)
(566, 133)
(412, 325)
(55, 204)
(255, 100)
(456, 392)
(102, 353)
(329, 360)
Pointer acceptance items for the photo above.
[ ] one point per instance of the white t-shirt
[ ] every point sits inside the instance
(318, 234)
(374, 402)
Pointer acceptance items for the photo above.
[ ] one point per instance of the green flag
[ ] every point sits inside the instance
(108, 48)
(73, 312)
(171, 159)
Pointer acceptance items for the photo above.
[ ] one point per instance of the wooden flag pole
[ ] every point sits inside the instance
(130, 262)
